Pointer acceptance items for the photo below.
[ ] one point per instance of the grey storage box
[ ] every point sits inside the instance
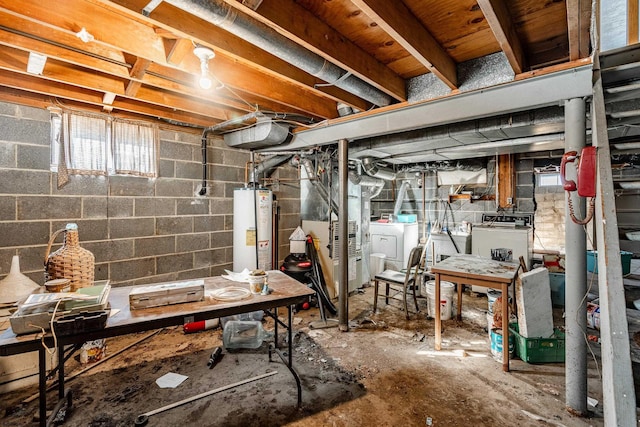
(166, 294)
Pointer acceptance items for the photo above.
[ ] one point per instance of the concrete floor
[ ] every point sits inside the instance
(383, 372)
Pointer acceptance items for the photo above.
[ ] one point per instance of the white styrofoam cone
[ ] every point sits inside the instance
(16, 285)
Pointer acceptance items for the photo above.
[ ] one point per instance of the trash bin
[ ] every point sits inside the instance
(376, 264)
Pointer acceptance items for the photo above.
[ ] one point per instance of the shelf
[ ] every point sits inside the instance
(454, 197)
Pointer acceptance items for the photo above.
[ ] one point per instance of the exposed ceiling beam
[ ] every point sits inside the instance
(32, 34)
(137, 72)
(632, 19)
(235, 50)
(16, 61)
(549, 89)
(298, 24)
(86, 97)
(499, 19)
(405, 29)
(578, 22)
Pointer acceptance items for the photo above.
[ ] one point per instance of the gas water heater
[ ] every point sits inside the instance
(252, 229)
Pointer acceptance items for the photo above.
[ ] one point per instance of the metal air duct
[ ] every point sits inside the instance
(402, 193)
(224, 16)
(372, 169)
(315, 181)
(266, 166)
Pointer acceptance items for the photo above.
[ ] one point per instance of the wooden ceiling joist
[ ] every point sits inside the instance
(405, 29)
(578, 22)
(497, 14)
(292, 20)
(227, 47)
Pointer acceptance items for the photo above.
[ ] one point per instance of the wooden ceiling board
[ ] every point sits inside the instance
(299, 24)
(459, 26)
(357, 27)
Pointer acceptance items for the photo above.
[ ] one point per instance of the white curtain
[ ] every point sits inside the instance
(134, 148)
(85, 139)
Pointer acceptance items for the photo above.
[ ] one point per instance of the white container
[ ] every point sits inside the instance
(376, 264)
(447, 289)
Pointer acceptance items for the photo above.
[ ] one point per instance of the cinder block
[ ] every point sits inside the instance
(167, 169)
(33, 157)
(174, 225)
(21, 130)
(131, 227)
(7, 208)
(110, 250)
(175, 151)
(132, 269)
(15, 181)
(173, 188)
(199, 206)
(82, 185)
(192, 242)
(8, 154)
(48, 207)
(148, 206)
(154, 246)
(208, 223)
(173, 263)
(94, 207)
(188, 170)
(23, 233)
(533, 297)
(119, 207)
(88, 230)
(131, 186)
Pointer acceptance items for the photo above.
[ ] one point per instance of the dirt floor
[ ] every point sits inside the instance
(383, 372)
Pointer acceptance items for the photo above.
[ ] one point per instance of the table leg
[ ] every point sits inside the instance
(505, 327)
(60, 370)
(436, 305)
(42, 383)
(460, 286)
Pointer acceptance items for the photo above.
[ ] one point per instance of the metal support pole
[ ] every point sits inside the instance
(343, 221)
(576, 269)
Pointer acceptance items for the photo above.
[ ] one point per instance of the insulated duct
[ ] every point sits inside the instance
(372, 169)
(224, 16)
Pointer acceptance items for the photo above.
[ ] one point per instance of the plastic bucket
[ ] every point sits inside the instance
(376, 264)
(492, 296)
(496, 344)
(489, 323)
(447, 289)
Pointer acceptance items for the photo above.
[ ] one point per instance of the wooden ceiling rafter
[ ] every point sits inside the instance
(227, 46)
(578, 22)
(298, 24)
(405, 29)
(499, 18)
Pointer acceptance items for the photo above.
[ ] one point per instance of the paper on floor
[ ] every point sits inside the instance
(170, 380)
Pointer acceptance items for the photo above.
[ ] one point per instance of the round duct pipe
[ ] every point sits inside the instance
(224, 16)
(372, 169)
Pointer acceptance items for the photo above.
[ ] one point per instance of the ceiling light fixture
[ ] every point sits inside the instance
(204, 54)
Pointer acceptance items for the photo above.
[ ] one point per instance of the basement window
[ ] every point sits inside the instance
(548, 180)
(93, 144)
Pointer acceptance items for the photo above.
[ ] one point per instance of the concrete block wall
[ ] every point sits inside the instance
(140, 230)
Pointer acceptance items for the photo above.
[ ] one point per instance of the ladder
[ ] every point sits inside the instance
(615, 87)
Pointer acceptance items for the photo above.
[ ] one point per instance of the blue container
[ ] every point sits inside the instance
(556, 283)
(407, 218)
(592, 261)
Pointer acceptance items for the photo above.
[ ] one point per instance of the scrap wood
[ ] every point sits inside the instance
(82, 371)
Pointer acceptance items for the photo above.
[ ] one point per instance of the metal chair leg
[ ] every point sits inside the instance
(375, 295)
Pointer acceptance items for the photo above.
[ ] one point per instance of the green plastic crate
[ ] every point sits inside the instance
(539, 350)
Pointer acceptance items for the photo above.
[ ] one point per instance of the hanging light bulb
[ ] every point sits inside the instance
(204, 54)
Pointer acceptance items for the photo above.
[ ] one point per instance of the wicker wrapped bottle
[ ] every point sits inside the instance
(70, 261)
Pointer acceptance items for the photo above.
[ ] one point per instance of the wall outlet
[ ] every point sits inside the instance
(510, 200)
